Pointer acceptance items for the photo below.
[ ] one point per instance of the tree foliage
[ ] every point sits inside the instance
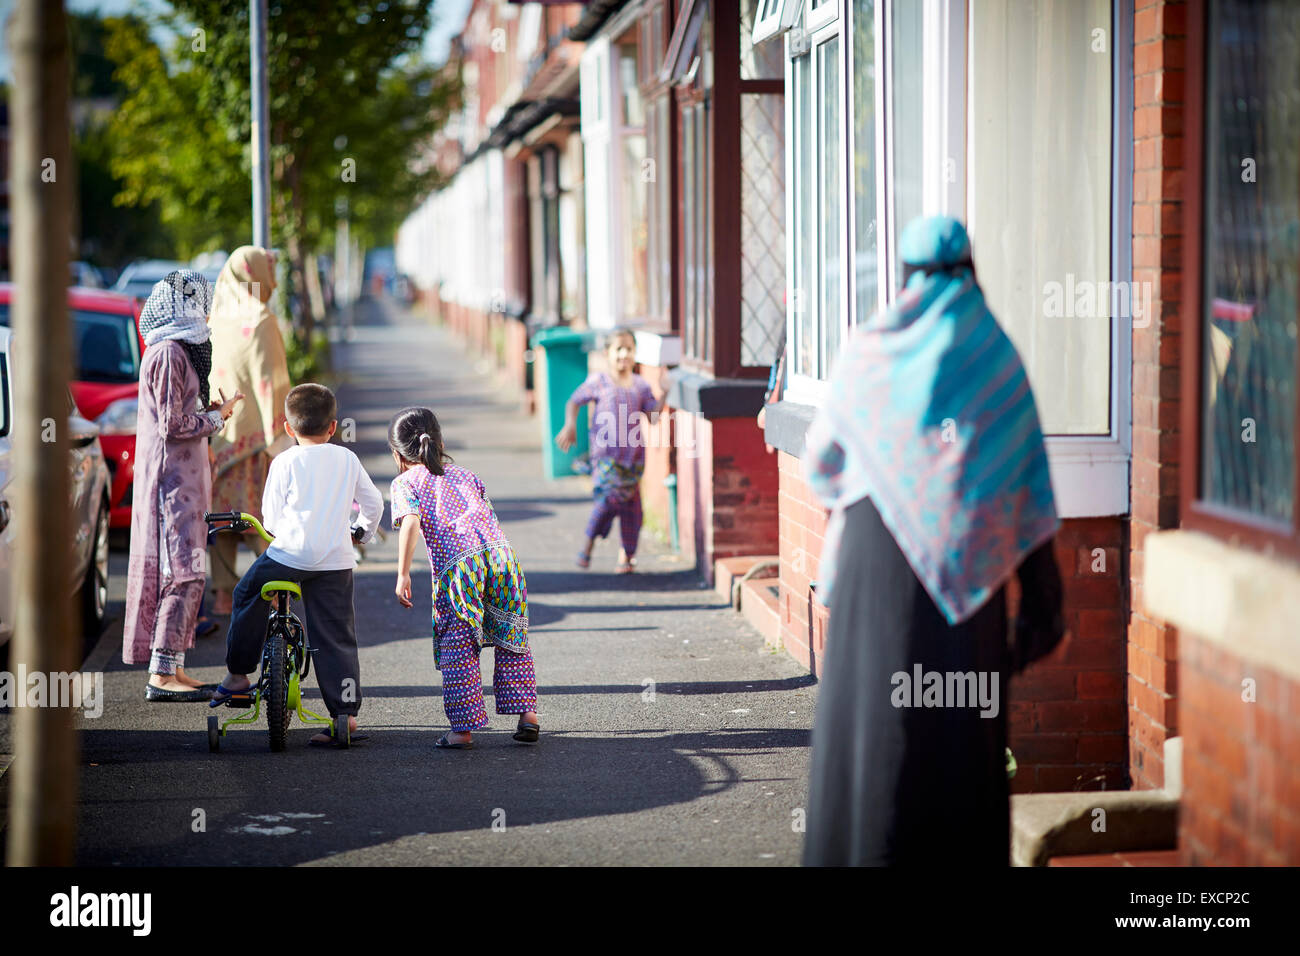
(352, 106)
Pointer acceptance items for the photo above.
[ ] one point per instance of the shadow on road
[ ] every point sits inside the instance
(306, 804)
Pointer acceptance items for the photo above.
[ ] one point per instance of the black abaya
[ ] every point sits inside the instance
(915, 785)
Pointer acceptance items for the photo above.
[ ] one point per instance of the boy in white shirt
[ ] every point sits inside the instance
(307, 506)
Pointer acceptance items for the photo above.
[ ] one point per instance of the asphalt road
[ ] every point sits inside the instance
(670, 734)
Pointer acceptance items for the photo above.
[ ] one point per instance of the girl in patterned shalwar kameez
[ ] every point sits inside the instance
(479, 593)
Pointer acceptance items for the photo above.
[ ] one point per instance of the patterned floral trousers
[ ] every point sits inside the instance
(617, 491)
(482, 599)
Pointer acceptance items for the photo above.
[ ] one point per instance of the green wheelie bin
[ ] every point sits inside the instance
(560, 366)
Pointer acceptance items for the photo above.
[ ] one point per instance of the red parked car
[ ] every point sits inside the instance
(106, 379)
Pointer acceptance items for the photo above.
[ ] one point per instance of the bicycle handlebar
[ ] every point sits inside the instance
(235, 521)
(240, 521)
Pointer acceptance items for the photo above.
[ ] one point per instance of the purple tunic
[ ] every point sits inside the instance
(614, 429)
(456, 517)
(171, 491)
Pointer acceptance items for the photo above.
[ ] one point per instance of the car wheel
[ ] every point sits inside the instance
(94, 590)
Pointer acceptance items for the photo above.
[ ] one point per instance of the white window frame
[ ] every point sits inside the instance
(807, 389)
(602, 143)
(1090, 473)
(774, 17)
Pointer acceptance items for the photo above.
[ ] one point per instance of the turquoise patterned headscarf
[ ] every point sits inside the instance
(929, 412)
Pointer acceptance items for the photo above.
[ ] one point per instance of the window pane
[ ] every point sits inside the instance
(629, 86)
(1040, 202)
(654, 295)
(905, 174)
(106, 347)
(703, 170)
(537, 236)
(1252, 247)
(762, 223)
(572, 226)
(828, 226)
(634, 227)
(803, 302)
(866, 282)
(689, 202)
(765, 61)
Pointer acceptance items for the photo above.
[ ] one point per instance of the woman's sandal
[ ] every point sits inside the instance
(526, 733)
(444, 744)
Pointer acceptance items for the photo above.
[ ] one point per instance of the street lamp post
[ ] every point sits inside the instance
(261, 131)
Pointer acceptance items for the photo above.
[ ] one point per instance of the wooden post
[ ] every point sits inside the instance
(43, 795)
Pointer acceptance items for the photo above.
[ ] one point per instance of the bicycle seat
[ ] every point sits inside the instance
(271, 588)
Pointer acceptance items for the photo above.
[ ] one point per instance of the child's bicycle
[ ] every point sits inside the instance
(286, 658)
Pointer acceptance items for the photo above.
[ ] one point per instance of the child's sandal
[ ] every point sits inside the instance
(625, 567)
(584, 559)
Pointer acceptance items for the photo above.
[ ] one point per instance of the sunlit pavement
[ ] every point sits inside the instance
(670, 734)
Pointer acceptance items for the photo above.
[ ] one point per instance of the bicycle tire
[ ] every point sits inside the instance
(277, 697)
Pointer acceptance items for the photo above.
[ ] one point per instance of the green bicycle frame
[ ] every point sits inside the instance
(281, 619)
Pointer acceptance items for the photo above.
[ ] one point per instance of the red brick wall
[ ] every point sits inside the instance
(1066, 719)
(801, 528)
(744, 490)
(1159, 46)
(1241, 784)
(726, 490)
(1066, 724)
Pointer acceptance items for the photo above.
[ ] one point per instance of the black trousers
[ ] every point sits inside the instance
(328, 616)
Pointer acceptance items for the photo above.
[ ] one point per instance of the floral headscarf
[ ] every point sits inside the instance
(929, 412)
(177, 310)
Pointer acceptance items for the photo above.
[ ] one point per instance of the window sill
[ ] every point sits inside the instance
(786, 426)
(715, 397)
(1245, 602)
(659, 349)
(1089, 480)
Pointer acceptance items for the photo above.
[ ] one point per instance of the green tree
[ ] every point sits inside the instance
(109, 234)
(352, 106)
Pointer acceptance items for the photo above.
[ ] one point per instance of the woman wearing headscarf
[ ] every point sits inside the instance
(928, 450)
(248, 356)
(166, 574)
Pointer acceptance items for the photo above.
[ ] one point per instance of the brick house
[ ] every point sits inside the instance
(683, 131)
(739, 156)
(1012, 117)
(514, 158)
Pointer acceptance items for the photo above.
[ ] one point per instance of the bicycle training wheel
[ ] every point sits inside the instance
(277, 697)
(214, 734)
(342, 731)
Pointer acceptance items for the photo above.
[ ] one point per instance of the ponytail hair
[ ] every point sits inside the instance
(415, 435)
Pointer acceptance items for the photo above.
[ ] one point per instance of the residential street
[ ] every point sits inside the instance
(670, 733)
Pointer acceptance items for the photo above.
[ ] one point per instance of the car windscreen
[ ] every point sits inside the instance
(106, 347)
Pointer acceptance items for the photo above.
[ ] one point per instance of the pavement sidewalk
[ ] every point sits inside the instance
(670, 733)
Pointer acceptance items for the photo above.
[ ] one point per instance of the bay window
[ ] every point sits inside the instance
(1014, 116)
